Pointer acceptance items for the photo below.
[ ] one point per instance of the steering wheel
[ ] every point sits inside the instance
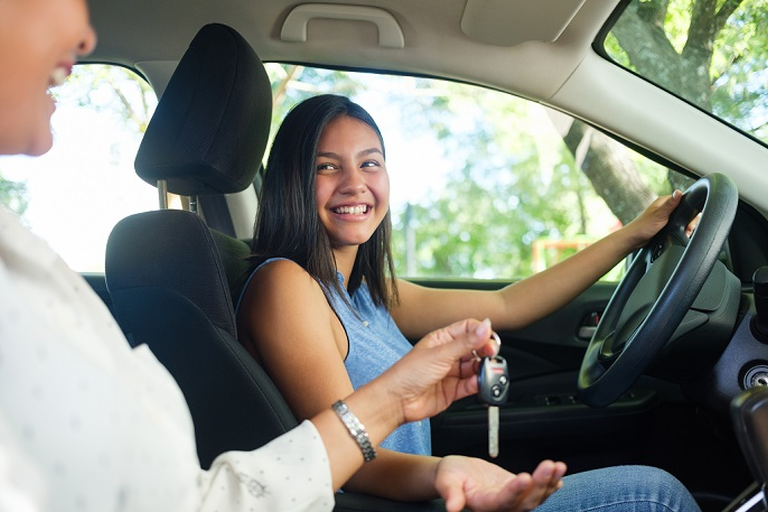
(658, 289)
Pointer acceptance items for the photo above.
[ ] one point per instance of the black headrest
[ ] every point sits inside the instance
(209, 132)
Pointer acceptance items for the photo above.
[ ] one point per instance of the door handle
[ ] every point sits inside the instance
(588, 325)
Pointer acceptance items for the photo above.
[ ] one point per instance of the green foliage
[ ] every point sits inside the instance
(513, 183)
(677, 22)
(740, 78)
(114, 91)
(292, 83)
(737, 90)
(13, 195)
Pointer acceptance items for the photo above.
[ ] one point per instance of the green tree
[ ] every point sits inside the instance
(718, 42)
(500, 195)
(712, 53)
(13, 195)
(292, 83)
(112, 90)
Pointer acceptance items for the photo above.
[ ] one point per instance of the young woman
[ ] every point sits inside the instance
(86, 423)
(324, 313)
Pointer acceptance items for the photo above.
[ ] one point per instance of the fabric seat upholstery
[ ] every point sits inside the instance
(171, 293)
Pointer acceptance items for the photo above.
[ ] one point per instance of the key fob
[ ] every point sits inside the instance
(493, 381)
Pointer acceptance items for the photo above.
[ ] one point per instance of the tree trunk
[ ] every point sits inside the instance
(608, 167)
(640, 32)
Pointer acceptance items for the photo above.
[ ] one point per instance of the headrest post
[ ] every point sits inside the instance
(193, 204)
(162, 194)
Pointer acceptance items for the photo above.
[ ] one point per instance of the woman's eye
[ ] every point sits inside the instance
(325, 167)
(371, 163)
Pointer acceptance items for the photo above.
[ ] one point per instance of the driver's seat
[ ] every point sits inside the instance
(169, 275)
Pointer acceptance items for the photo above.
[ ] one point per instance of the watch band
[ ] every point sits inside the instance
(356, 430)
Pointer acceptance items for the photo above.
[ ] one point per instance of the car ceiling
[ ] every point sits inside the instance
(511, 35)
(539, 49)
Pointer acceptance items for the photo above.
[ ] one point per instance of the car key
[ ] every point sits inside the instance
(493, 388)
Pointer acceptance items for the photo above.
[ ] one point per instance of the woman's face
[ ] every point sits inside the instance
(352, 184)
(40, 41)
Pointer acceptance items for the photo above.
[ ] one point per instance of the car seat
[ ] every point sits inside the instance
(170, 277)
(164, 274)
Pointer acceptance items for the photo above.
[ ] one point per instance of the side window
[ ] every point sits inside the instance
(485, 185)
(73, 195)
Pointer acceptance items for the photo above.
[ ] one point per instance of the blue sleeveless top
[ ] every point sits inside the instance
(375, 344)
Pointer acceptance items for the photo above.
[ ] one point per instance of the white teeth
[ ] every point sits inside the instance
(352, 210)
(58, 76)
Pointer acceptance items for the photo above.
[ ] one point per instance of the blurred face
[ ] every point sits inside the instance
(40, 41)
(352, 184)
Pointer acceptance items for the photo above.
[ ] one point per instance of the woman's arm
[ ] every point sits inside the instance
(423, 309)
(287, 323)
(297, 470)
(439, 370)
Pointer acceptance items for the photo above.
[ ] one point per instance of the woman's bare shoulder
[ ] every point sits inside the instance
(282, 280)
(283, 274)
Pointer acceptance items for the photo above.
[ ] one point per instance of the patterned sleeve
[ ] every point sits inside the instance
(21, 486)
(291, 473)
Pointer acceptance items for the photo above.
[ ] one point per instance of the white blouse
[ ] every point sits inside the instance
(89, 424)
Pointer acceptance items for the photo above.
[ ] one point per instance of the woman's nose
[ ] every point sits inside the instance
(353, 183)
(88, 43)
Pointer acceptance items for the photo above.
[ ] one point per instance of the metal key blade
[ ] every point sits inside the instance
(493, 431)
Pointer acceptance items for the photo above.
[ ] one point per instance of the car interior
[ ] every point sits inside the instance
(166, 267)
(666, 365)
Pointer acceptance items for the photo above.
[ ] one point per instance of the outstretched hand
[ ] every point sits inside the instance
(440, 369)
(482, 486)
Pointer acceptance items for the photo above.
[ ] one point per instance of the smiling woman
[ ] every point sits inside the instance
(322, 277)
(346, 163)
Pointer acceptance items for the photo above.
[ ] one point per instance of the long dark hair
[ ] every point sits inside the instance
(287, 224)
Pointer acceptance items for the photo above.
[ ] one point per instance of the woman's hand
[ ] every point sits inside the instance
(653, 218)
(482, 486)
(441, 368)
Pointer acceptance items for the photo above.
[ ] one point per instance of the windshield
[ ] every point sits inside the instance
(712, 53)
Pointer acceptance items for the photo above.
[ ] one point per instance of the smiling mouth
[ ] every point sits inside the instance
(352, 210)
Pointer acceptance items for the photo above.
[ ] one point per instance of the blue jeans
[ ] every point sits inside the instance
(621, 488)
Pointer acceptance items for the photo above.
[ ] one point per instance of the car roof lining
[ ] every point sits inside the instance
(518, 68)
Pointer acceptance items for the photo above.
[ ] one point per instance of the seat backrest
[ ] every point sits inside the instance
(170, 291)
(165, 274)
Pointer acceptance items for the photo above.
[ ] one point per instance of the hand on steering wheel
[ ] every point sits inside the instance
(657, 291)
